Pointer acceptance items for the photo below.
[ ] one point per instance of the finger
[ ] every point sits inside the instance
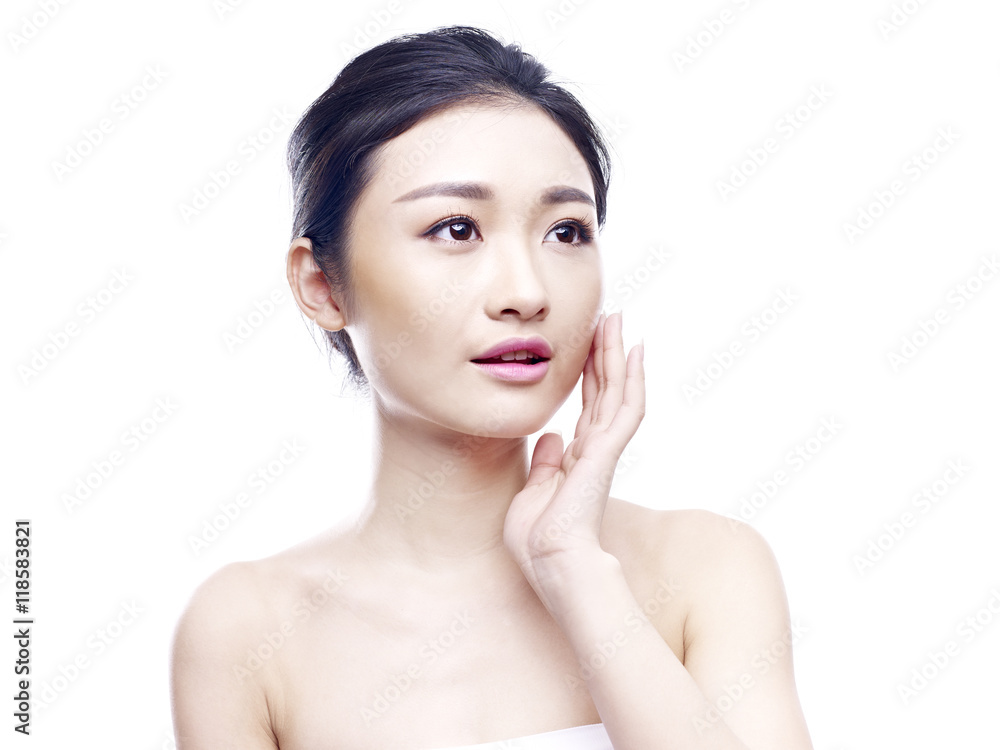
(589, 391)
(598, 345)
(528, 504)
(614, 371)
(546, 459)
(590, 483)
(600, 335)
(633, 406)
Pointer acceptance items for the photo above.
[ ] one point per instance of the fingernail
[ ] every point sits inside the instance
(642, 349)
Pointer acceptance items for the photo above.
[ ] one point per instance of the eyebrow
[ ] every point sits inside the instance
(478, 191)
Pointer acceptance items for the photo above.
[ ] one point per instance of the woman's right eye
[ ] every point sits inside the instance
(460, 229)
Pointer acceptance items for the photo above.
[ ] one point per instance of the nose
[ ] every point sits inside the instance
(517, 285)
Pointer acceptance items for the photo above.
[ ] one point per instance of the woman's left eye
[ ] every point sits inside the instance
(572, 233)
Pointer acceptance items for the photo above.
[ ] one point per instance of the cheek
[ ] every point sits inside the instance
(588, 300)
(576, 335)
(401, 320)
(381, 330)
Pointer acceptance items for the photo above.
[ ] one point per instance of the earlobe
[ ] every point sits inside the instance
(310, 288)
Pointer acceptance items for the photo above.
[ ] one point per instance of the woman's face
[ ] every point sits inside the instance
(470, 234)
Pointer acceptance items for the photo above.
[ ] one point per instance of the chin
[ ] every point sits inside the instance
(515, 414)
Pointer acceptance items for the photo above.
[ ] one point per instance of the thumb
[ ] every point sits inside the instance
(546, 459)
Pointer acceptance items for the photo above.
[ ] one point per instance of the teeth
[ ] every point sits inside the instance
(511, 356)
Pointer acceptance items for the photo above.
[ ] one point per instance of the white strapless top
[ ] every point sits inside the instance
(587, 737)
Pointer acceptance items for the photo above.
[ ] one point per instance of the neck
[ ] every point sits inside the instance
(438, 499)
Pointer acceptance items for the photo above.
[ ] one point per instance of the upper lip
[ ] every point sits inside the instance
(535, 345)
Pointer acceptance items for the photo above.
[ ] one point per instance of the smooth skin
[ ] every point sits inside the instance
(470, 599)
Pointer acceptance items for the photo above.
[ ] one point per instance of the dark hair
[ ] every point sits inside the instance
(382, 93)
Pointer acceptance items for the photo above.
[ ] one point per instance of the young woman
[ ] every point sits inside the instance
(447, 197)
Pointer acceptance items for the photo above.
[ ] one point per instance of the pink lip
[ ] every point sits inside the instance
(516, 371)
(535, 345)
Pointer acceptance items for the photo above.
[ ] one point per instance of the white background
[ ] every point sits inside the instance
(678, 128)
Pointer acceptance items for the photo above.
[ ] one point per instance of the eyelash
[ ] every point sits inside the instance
(584, 229)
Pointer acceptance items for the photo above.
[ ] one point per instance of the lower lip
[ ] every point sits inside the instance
(515, 371)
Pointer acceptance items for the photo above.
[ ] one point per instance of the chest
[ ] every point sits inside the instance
(355, 677)
(362, 682)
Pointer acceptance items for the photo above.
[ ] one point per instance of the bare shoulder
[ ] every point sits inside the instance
(736, 629)
(252, 593)
(227, 684)
(724, 557)
(214, 704)
(716, 567)
(236, 597)
(211, 600)
(729, 574)
(227, 604)
(240, 598)
(697, 544)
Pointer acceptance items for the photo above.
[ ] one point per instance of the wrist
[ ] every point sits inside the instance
(568, 582)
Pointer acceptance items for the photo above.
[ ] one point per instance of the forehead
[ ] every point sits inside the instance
(506, 144)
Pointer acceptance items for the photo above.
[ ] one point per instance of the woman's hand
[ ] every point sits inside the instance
(556, 519)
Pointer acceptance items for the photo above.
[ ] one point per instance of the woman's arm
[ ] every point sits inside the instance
(216, 706)
(736, 689)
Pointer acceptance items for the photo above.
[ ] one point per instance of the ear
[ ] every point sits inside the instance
(310, 288)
